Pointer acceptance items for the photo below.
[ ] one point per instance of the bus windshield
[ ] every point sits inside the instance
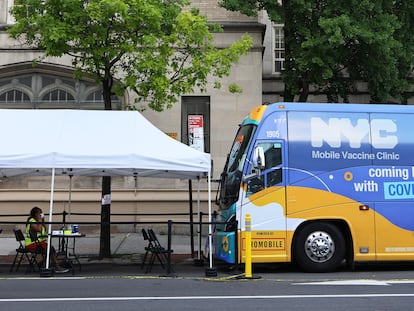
(231, 176)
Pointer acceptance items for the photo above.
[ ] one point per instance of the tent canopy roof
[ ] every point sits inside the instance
(93, 143)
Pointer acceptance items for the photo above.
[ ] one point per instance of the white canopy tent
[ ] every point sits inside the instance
(93, 143)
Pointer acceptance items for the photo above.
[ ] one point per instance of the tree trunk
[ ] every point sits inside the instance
(105, 238)
(289, 73)
(304, 92)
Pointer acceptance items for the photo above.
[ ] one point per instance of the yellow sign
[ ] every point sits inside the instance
(266, 244)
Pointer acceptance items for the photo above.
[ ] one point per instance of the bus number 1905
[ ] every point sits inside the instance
(272, 134)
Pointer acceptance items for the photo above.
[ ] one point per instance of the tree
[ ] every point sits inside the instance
(157, 49)
(333, 45)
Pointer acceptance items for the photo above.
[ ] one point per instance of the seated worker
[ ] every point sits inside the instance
(35, 223)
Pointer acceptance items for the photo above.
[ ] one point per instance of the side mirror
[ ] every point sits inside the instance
(258, 164)
(259, 158)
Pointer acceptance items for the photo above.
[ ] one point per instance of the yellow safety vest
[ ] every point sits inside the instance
(40, 235)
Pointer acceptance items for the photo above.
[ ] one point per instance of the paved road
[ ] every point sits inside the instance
(389, 288)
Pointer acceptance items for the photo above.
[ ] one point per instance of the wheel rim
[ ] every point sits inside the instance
(319, 246)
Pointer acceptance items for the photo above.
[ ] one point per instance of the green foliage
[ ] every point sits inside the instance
(155, 48)
(235, 89)
(251, 7)
(332, 45)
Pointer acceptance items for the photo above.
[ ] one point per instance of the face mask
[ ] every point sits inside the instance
(42, 215)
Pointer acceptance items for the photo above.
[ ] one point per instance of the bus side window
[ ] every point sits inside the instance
(273, 156)
(272, 170)
(255, 184)
(274, 177)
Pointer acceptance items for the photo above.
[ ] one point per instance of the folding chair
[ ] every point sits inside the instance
(154, 251)
(148, 249)
(157, 251)
(21, 251)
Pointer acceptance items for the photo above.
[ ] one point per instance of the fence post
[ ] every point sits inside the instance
(169, 270)
(199, 262)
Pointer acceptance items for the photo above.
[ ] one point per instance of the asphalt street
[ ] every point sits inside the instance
(119, 283)
(386, 288)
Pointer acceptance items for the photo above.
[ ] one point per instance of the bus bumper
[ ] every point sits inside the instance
(225, 246)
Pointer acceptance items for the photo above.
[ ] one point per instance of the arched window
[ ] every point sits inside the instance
(95, 96)
(14, 96)
(58, 95)
(40, 90)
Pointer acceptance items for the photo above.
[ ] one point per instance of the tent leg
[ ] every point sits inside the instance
(199, 262)
(190, 193)
(210, 271)
(47, 271)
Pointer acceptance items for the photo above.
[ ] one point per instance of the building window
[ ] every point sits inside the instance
(5, 16)
(14, 96)
(195, 122)
(58, 96)
(45, 91)
(279, 49)
(95, 96)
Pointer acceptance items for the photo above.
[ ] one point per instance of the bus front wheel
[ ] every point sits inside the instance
(319, 247)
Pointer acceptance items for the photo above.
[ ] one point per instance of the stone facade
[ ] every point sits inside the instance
(53, 78)
(50, 85)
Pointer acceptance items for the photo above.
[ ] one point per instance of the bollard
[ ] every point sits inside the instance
(248, 254)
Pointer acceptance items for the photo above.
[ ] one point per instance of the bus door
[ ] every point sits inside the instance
(264, 198)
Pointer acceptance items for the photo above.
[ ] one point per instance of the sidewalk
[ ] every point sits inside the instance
(121, 244)
(127, 251)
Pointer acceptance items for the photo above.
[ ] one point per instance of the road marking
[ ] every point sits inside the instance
(358, 282)
(79, 299)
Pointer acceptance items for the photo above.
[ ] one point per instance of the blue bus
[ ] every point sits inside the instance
(323, 183)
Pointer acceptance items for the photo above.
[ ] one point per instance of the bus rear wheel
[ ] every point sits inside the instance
(319, 247)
